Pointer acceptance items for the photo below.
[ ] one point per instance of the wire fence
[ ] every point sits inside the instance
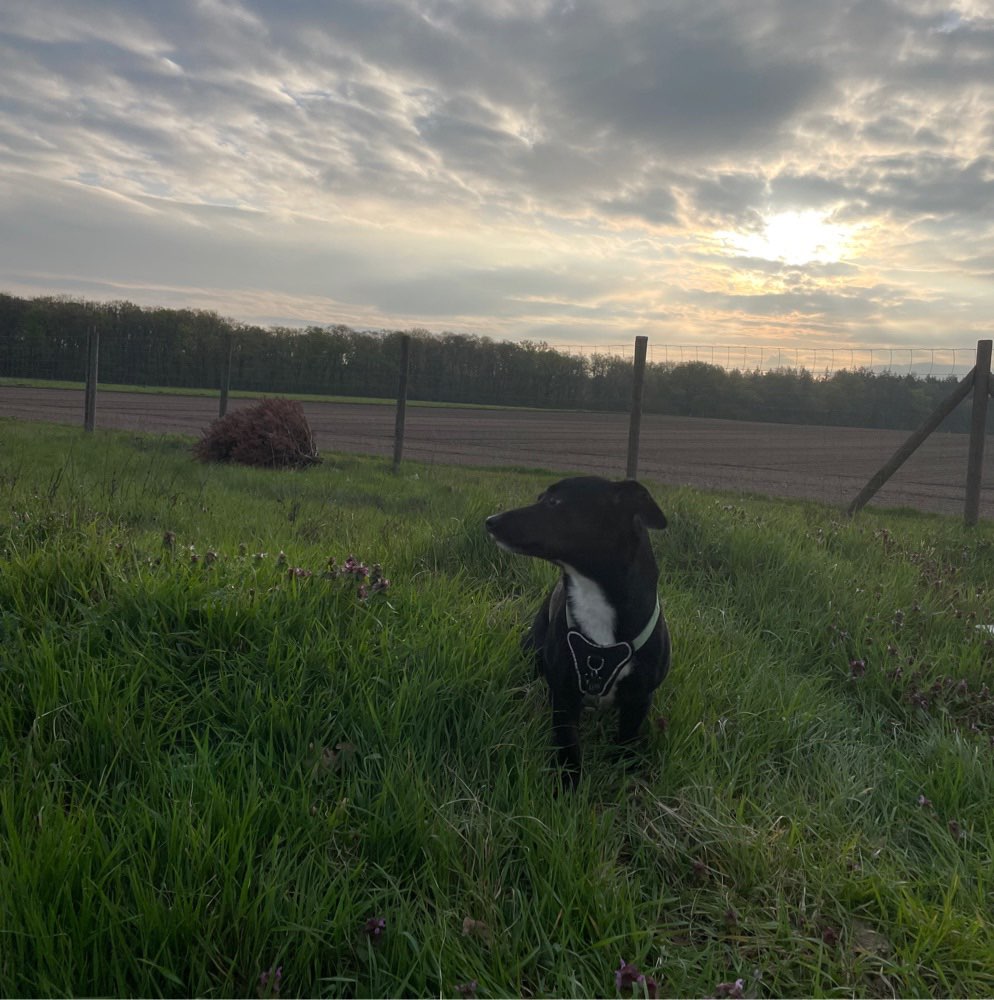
(936, 362)
(788, 451)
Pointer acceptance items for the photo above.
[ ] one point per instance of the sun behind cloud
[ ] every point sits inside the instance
(795, 237)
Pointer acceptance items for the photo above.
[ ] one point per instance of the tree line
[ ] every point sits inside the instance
(47, 338)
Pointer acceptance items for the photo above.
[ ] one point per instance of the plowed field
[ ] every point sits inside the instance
(822, 463)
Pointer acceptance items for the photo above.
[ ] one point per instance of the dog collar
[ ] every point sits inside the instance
(598, 667)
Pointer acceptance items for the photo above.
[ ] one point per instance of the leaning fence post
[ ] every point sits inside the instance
(903, 453)
(398, 430)
(222, 407)
(635, 420)
(90, 396)
(978, 431)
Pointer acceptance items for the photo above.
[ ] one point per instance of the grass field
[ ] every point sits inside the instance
(303, 397)
(228, 773)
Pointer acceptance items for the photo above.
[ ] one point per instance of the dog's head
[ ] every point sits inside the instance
(579, 518)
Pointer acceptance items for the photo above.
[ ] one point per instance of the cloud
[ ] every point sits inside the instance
(508, 167)
(656, 206)
(677, 85)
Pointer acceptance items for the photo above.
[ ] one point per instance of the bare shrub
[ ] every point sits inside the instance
(273, 434)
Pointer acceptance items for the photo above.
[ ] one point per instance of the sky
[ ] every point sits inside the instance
(709, 172)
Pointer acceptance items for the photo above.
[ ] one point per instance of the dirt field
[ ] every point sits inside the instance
(822, 463)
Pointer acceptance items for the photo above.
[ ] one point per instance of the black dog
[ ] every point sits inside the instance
(600, 637)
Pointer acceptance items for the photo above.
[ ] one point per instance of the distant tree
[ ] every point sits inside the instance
(46, 337)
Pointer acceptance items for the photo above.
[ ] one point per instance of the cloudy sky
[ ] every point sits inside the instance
(705, 172)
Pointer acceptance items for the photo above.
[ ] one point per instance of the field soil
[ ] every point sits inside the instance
(830, 464)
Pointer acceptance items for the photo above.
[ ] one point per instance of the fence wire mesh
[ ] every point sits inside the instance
(938, 362)
(812, 422)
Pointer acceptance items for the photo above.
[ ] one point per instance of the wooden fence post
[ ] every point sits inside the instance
(90, 396)
(978, 431)
(635, 420)
(903, 453)
(398, 430)
(222, 408)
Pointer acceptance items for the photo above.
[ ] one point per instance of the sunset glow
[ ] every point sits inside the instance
(538, 169)
(793, 238)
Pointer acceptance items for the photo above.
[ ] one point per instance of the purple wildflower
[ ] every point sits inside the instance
(627, 976)
(467, 989)
(270, 986)
(376, 927)
(355, 568)
(857, 668)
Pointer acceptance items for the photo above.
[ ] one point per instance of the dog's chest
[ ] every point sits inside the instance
(593, 615)
(591, 611)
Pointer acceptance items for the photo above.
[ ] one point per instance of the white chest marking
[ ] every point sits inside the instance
(592, 614)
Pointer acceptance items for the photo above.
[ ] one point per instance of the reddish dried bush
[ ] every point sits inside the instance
(273, 434)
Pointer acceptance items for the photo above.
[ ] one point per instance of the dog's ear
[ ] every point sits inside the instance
(638, 499)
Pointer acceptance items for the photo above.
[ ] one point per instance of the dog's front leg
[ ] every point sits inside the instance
(566, 736)
(633, 707)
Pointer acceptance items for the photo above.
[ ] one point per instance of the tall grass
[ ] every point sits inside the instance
(214, 768)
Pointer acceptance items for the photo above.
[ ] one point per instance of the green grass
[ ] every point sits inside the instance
(209, 769)
(303, 397)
